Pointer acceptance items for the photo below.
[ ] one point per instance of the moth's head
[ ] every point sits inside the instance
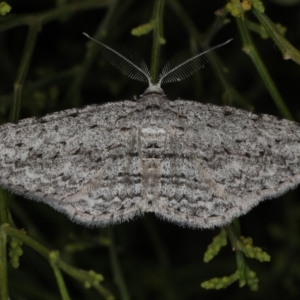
(153, 89)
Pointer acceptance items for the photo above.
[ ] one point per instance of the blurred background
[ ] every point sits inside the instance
(159, 260)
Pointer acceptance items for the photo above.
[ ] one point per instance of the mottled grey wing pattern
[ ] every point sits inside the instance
(230, 160)
(53, 158)
(194, 164)
(114, 193)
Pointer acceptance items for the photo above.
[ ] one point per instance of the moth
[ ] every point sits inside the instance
(197, 165)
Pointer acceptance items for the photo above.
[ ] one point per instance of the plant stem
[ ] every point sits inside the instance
(23, 69)
(59, 278)
(46, 253)
(42, 83)
(163, 259)
(57, 12)
(185, 19)
(287, 49)
(118, 276)
(158, 40)
(250, 49)
(198, 38)
(3, 207)
(3, 264)
(230, 231)
(91, 54)
(28, 241)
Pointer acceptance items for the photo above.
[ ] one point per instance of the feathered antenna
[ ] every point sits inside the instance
(178, 69)
(126, 60)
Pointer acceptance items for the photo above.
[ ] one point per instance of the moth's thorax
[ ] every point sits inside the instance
(152, 110)
(152, 100)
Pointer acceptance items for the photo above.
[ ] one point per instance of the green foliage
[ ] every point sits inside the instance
(258, 4)
(246, 246)
(213, 249)
(220, 283)
(93, 279)
(242, 246)
(4, 8)
(142, 29)
(237, 8)
(245, 277)
(15, 251)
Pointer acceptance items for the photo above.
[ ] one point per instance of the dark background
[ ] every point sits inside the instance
(159, 260)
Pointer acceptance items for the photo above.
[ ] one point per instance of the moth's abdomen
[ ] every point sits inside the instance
(152, 142)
